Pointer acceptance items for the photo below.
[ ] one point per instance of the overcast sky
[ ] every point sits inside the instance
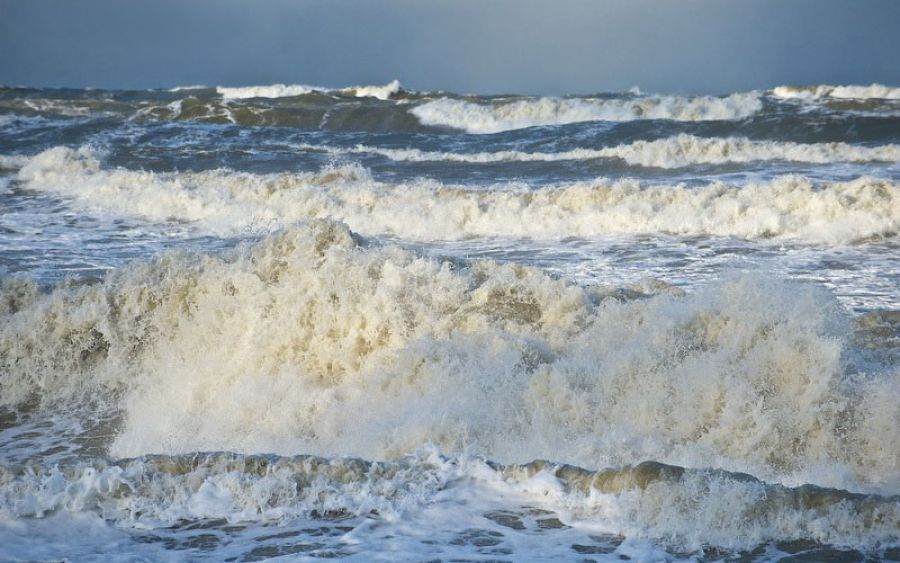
(484, 46)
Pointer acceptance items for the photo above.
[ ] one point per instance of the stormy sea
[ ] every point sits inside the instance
(369, 323)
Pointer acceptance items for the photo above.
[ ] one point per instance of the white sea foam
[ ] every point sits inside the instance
(270, 91)
(59, 107)
(308, 342)
(284, 90)
(380, 92)
(182, 88)
(13, 162)
(690, 509)
(506, 115)
(672, 152)
(824, 91)
(226, 202)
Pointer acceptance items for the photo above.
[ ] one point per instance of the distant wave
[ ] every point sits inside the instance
(271, 91)
(184, 88)
(222, 201)
(822, 91)
(380, 92)
(493, 117)
(284, 90)
(672, 152)
(389, 108)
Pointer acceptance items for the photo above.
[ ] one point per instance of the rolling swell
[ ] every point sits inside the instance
(222, 202)
(362, 108)
(281, 91)
(390, 108)
(502, 115)
(310, 341)
(874, 91)
(672, 152)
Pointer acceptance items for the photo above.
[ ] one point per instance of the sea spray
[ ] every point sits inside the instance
(308, 342)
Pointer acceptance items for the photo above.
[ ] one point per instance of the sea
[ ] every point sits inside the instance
(295, 323)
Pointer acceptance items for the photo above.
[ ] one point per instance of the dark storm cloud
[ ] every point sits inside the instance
(472, 45)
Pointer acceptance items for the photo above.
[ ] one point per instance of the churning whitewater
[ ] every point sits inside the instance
(785, 207)
(288, 321)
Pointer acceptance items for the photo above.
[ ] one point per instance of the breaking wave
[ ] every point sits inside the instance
(311, 341)
(496, 116)
(364, 108)
(283, 91)
(13, 162)
(823, 91)
(222, 201)
(673, 152)
(271, 91)
(690, 508)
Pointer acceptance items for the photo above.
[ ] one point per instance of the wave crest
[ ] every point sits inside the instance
(672, 152)
(284, 91)
(688, 508)
(824, 91)
(788, 207)
(500, 116)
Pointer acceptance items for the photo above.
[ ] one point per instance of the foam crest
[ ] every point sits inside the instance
(284, 90)
(158, 491)
(687, 508)
(499, 116)
(191, 87)
(381, 92)
(225, 202)
(270, 91)
(672, 152)
(13, 162)
(696, 508)
(823, 91)
(686, 150)
(309, 343)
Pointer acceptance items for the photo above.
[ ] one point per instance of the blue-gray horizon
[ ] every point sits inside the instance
(575, 47)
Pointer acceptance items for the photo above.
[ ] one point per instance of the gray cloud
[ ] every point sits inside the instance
(484, 46)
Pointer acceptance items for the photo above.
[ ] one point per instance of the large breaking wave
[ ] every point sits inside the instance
(311, 342)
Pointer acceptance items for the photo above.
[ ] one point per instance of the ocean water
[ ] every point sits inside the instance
(293, 323)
